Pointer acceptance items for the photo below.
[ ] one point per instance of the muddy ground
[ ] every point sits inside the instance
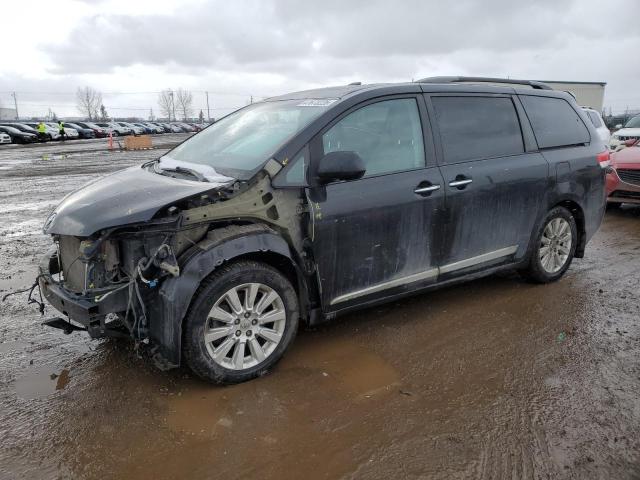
(493, 379)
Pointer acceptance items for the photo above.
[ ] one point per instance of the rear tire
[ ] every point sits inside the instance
(554, 246)
(243, 318)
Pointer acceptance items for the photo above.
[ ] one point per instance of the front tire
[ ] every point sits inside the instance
(554, 247)
(243, 318)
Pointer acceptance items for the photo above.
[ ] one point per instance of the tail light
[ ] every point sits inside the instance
(604, 158)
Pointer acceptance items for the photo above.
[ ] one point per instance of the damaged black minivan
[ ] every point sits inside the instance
(312, 204)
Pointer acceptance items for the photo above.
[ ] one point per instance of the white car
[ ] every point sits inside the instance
(134, 128)
(596, 119)
(115, 129)
(70, 133)
(631, 130)
(4, 138)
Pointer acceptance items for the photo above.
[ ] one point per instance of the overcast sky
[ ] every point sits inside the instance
(132, 49)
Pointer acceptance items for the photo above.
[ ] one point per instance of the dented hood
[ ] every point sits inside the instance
(122, 198)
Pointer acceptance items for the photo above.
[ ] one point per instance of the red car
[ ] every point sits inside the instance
(623, 178)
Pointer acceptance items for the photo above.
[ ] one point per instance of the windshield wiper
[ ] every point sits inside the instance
(183, 170)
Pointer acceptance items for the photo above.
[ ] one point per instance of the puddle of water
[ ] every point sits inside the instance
(199, 410)
(40, 382)
(345, 365)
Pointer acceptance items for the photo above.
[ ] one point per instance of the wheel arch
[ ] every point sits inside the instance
(229, 244)
(578, 214)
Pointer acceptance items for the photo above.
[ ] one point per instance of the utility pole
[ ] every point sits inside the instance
(251, 99)
(15, 102)
(208, 113)
(173, 106)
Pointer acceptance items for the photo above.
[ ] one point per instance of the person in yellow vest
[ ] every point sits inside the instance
(42, 132)
(61, 129)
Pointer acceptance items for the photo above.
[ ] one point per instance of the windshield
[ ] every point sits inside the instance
(633, 123)
(240, 143)
(10, 129)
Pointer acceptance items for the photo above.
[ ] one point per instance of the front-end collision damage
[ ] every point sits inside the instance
(138, 280)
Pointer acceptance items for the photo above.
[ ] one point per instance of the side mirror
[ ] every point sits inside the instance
(618, 126)
(340, 166)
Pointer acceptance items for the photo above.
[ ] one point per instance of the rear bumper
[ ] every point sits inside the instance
(86, 309)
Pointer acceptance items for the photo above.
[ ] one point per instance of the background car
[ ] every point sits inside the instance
(25, 128)
(630, 131)
(186, 128)
(134, 129)
(161, 129)
(69, 132)
(83, 132)
(172, 128)
(98, 131)
(51, 133)
(623, 176)
(18, 136)
(4, 138)
(115, 129)
(598, 122)
(146, 128)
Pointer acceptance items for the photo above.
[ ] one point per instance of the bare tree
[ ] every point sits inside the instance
(89, 102)
(185, 103)
(166, 104)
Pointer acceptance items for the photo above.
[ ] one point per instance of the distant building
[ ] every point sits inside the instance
(588, 94)
(7, 113)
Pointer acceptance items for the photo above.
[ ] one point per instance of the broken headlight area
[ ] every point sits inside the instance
(106, 282)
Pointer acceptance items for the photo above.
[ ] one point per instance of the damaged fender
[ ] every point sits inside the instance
(176, 294)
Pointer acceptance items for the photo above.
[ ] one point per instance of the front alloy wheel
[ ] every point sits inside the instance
(242, 319)
(245, 326)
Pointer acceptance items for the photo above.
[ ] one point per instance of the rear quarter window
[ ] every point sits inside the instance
(554, 121)
(595, 119)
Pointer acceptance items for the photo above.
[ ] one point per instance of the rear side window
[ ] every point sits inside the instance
(477, 127)
(555, 123)
(595, 119)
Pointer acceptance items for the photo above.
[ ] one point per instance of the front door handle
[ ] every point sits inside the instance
(426, 190)
(460, 183)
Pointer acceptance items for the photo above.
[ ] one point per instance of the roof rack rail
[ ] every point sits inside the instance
(531, 83)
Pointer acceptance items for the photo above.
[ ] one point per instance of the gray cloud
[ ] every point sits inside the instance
(242, 34)
(302, 44)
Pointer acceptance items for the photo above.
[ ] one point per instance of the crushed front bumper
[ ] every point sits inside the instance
(90, 309)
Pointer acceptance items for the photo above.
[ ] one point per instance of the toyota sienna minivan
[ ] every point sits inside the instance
(305, 206)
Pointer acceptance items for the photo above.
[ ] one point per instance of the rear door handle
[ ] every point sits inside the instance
(426, 190)
(460, 183)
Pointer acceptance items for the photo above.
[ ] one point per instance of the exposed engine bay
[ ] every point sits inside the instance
(114, 282)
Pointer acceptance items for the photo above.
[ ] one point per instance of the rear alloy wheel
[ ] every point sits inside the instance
(243, 318)
(554, 247)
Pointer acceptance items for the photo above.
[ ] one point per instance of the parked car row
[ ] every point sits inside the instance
(27, 131)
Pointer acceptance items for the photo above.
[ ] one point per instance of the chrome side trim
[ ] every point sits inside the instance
(485, 257)
(427, 274)
(432, 273)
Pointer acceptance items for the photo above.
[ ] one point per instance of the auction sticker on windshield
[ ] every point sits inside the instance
(317, 102)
